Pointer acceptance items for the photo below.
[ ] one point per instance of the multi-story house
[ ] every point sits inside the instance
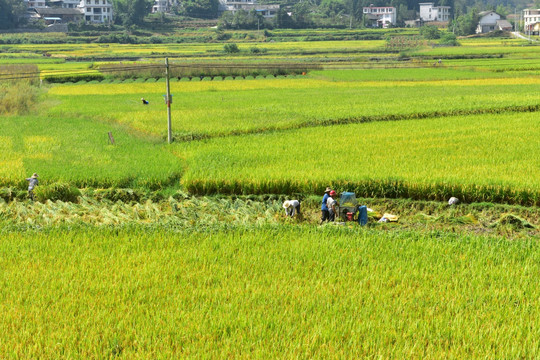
(91, 11)
(97, 11)
(531, 21)
(429, 12)
(70, 4)
(380, 16)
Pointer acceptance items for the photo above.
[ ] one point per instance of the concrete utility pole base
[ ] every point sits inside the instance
(169, 130)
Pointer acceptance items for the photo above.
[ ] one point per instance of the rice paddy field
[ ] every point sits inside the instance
(273, 292)
(142, 249)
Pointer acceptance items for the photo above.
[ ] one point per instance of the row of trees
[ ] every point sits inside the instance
(310, 13)
(133, 12)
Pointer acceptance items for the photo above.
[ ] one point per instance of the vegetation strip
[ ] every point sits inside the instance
(181, 211)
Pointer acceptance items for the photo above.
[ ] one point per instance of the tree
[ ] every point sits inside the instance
(429, 32)
(332, 8)
(283, 20)
(205, 9)
(301, 14)
(131, 12)
(11, 13)
(502, 10)
(465, 24)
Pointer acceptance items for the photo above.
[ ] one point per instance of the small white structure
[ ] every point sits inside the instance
(531, 21)
(488, 22)
(161, 6)
(267, 11)
(382, 16)
(430, 12)
(97, 11)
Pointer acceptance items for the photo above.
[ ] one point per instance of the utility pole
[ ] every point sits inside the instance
(168, 100)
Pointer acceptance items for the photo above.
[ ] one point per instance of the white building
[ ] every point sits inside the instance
(93, 11)
(531, 20)
(97, 11)
(488, 21)
(161, 6)
(429, 12)
(70, 4)
(384, 16)
(34, 4)
(267, 11)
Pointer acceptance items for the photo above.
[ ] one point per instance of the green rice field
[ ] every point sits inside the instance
(273, 292)
(140, 249)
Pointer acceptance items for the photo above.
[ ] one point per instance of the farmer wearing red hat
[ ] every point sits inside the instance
(331, 204)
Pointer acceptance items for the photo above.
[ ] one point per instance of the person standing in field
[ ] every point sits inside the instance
(331, 205)
(292, 207)
(32, 183)
(325, 215)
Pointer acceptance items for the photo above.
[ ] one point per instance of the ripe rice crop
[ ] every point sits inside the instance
(266, 292)
(217, 108)
(477, 158)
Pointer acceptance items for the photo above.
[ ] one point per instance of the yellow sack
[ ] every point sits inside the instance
(390, 217)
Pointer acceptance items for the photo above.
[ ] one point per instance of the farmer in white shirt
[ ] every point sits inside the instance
(292, 207)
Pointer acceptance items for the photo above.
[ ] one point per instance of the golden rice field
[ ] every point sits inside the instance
(209, 108)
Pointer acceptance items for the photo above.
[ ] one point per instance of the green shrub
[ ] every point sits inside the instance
(73, 78)
(430, 32)
(231, 48)
(57, 191)
(449, 39)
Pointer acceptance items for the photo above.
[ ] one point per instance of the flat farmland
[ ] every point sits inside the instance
(218, 108)
(268, 292)
(147, 250)
(479, 157)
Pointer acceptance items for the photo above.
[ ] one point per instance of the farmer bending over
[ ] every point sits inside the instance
(32, 182)
(145, 102)
(292, 207)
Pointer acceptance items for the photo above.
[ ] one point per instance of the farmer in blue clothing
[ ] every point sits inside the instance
(324, 207)
(32, 182)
